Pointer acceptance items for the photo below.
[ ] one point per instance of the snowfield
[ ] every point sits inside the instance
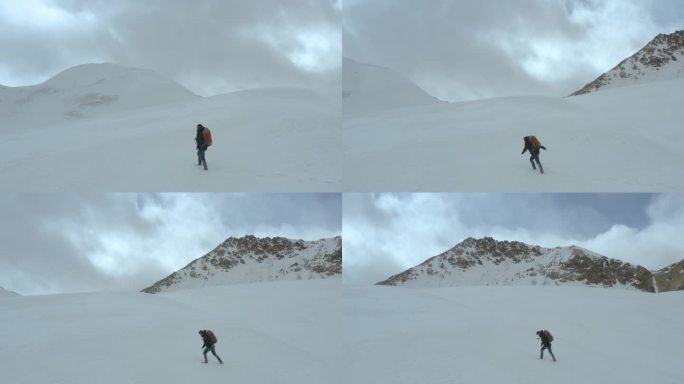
(285, 332)
(624, 139)
(487, 335)
(111, 128)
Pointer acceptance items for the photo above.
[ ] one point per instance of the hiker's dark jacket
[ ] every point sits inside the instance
(529, 147)
(207, 340)
(544, 340)
(199, 139)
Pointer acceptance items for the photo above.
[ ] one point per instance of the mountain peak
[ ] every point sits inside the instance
(488, 261)
(661, 59)
(251, 259)
(87, 90)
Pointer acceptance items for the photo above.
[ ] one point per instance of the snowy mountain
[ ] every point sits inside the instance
(6, 293)
(281, 332)
(85, 91)
(368, 88)
(661, 59)
(490, 262)
(108, 128)
(250, 259)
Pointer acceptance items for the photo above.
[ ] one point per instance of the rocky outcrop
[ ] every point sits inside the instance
(487, 261)
(670, 278)
(661, 59)
(250, 259)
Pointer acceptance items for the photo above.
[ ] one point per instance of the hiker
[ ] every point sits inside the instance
(209, 340)
(546, 340)
(532, 144)
(203, 140)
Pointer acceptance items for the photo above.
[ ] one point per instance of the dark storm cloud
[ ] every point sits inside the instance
(210, 46)
(387, 233)
(460, 50)
(71, 242)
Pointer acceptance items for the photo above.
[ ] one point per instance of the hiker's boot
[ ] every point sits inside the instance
(541, 169)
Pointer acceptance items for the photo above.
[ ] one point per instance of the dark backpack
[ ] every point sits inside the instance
(211, 336)
(548, 335)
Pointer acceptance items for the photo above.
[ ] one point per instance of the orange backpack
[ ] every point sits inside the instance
(212, 337)
(534, 141)
(206, 135)
(548, 335)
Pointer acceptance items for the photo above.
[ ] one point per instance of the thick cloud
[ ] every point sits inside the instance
(385, 234)
(73, 242)
(459, 50)
(211, 47)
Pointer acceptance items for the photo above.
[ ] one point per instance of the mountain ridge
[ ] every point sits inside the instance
(250, 259)
(661, 59)
(488, 261)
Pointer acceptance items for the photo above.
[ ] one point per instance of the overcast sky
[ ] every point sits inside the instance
(209, 46)
(55, 243)
(461, 50)
(385, 234)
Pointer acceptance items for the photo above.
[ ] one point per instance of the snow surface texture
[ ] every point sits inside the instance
(621, 139)
(254, 260)
(487, 335)
(110, 128)
(285, 332)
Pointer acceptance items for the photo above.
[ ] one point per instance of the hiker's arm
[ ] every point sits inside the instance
(524, 149)
(543, 147)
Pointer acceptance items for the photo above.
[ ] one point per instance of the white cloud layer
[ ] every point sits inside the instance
(458, 50)
(71, 242)
(210, 46)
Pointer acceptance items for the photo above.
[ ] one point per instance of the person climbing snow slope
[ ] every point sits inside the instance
(532, 144)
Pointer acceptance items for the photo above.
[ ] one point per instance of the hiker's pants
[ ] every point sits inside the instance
(201, 160)
(533, 158)
(541, 351)
(210, 348)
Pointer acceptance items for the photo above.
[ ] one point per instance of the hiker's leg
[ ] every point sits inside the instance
(204, 158)
(551, 353)
(199, 157)
(541, 352)
(532, 162)
(214, 352)
(206, 349)
(536, 158)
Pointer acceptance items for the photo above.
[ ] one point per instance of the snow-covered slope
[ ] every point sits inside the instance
(284, 139)
(487, 335)
(618, 140)
(250, 259)
(5, 293)
(85, 91)
(368, 88)
(283, 332)
(661, 59)
(487, 261)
